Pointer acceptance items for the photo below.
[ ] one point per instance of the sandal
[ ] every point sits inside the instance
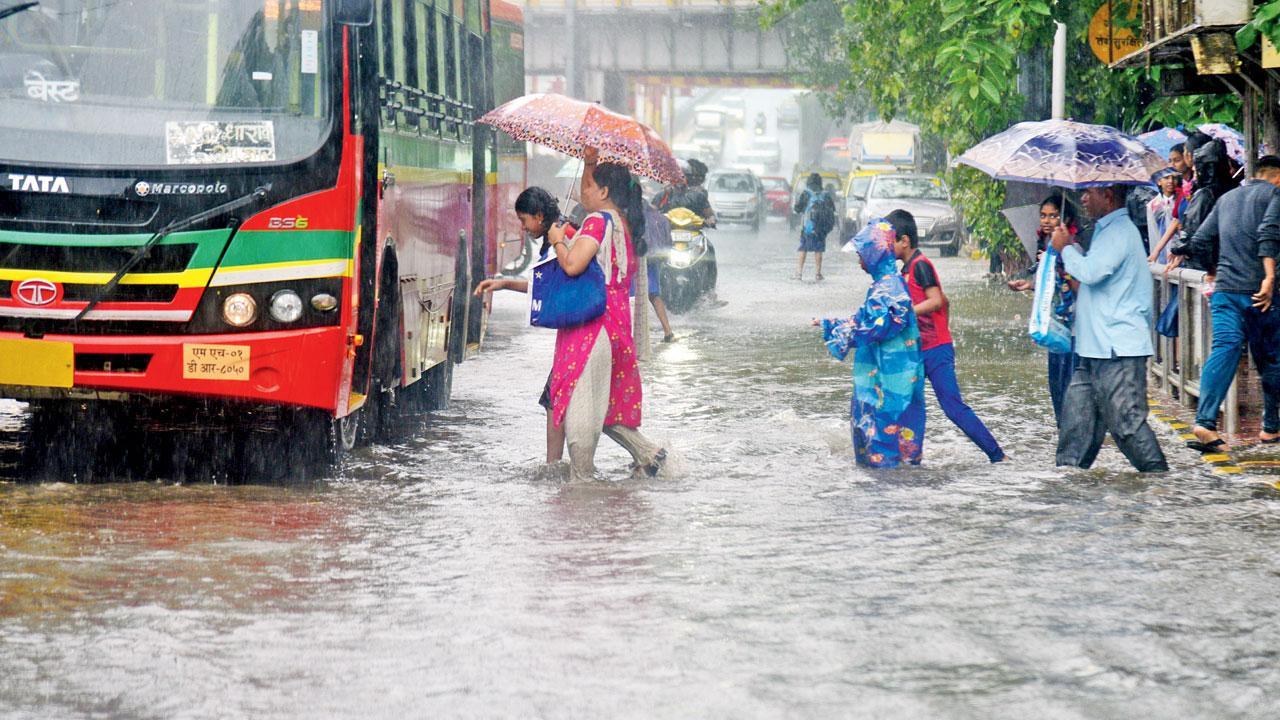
(819, 278)
(672, 338)
(653, 468)
(1206, 447)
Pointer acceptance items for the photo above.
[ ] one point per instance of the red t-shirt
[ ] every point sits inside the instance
(920, 275)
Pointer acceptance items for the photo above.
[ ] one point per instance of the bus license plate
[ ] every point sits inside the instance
(37, 362)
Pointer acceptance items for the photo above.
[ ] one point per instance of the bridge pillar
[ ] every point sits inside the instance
(616, 92)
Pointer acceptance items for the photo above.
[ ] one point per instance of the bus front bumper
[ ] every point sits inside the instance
(287, 367)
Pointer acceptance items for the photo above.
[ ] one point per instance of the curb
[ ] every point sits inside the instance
(1221, 463)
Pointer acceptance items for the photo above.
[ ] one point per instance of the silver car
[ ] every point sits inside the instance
(924, 196)
(736, 196)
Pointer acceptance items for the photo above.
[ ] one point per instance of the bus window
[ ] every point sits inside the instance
(386, 58)
(450, 57)
(432, 48)
(410, 51)
(164, 82)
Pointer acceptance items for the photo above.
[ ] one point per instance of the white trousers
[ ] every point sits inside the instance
(584, 418)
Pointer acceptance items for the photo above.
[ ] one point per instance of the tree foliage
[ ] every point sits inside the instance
(953, 67)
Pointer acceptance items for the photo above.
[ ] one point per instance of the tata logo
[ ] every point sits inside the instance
(37, 292)
(38, 183)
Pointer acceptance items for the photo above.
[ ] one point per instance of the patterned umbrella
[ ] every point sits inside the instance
(1162, 140)
(1065, 154)
(1229, 137)
(571, 126)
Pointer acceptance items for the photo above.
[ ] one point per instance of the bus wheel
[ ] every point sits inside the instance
(346, 431)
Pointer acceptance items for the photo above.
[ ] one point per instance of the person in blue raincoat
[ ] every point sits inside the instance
(887, 410)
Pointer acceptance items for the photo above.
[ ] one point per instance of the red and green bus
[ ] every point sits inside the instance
(255, 208)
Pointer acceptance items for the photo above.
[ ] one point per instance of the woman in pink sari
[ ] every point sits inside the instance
(595, 380)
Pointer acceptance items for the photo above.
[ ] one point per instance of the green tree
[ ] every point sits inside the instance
(952, 66)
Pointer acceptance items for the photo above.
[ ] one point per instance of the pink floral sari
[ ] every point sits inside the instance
(573, 345)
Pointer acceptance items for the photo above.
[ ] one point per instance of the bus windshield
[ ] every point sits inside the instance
(145, 83)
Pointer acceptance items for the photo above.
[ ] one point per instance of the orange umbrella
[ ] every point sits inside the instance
(571, 126)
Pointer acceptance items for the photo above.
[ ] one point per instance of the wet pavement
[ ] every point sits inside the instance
(452, 575)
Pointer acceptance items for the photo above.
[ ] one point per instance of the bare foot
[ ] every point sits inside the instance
(1205, 435)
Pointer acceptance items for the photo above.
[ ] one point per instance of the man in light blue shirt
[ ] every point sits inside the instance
(1108, 390)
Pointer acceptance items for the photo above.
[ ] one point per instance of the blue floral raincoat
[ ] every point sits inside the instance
(887, 422)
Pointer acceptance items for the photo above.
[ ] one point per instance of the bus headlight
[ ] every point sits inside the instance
(324, 302)
(239, 310)
(286, 306)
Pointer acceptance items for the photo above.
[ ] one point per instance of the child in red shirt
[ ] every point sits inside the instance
(937, 352)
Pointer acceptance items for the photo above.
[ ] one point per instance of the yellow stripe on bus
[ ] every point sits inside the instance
(198, 277)
(291, 270)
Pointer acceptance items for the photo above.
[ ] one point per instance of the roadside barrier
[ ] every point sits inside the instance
(1175, 368)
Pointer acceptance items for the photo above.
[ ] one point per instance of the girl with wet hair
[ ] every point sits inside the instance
(595, 382)
(539, 215)
(538, 210)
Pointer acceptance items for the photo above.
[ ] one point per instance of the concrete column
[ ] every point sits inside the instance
(1271, 115)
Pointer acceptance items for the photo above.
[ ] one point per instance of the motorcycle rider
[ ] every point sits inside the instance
(692, 196)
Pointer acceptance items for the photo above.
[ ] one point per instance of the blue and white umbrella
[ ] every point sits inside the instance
(1162, 140)
(1065, 154)
(1230, 137)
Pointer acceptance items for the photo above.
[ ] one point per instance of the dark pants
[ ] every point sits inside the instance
(940, 367)
(1236, 322)
(1108, 396)
(1061, 365)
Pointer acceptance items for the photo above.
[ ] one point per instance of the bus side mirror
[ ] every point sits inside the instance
(354, 12)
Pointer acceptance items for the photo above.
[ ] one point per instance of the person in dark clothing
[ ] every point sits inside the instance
(936, 350)
(1243, 232)
(692, 196)
(1212, 181)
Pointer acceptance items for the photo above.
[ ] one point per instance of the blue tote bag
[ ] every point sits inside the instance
(557, 300)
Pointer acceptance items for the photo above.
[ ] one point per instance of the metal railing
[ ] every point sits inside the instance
(1175, 368)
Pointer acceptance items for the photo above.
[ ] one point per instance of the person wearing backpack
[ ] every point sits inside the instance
(819, 212)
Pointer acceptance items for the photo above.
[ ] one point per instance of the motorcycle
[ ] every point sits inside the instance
(762, 124)
(689, 267)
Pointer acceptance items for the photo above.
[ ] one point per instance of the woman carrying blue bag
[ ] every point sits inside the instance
(595, 381)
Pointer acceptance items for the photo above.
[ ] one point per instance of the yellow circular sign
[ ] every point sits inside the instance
(1111, 42)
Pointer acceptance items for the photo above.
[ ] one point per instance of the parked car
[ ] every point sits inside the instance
(736, 196)
(924, 196)
(764, 151)
(777, 195)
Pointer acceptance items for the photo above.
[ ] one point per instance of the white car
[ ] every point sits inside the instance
(924, 196)
(737, 196)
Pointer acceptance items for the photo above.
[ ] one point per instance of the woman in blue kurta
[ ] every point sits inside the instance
(887, 422)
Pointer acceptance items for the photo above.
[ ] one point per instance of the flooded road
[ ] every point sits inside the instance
(452, 576)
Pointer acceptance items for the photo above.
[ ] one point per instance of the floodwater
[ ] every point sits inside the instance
(451, 576)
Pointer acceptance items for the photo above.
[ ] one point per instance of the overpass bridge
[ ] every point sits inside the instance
(632, 54)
